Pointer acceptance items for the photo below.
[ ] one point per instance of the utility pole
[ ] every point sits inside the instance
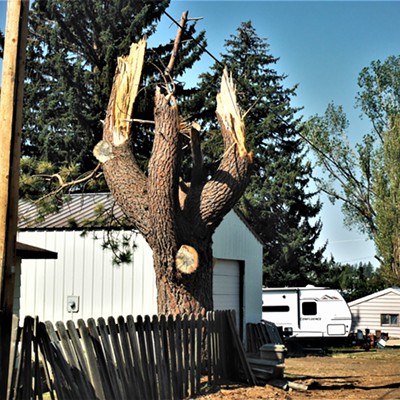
(12, 90)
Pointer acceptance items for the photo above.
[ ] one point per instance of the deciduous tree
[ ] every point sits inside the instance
(365, 177)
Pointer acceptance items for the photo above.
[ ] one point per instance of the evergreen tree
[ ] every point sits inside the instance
(71, 59)
(277, 202)
(360, 280)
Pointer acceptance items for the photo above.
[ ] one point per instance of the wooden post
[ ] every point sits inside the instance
(10, 145)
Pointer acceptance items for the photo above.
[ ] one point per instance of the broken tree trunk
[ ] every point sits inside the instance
(176, 218)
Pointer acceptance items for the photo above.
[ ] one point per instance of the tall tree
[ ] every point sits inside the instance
(365, 177)
(277, 202)
(72, 53)
(177, 217)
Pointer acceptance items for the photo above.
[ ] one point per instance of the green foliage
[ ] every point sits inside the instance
(277, 202)
(71, 59)
(356, 281)
(387, 203)
(366, 177)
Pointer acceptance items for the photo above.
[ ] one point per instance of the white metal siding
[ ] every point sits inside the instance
(84, 269)
(367, 314)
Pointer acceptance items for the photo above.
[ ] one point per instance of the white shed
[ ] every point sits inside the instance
(84, 283)
(379, 311)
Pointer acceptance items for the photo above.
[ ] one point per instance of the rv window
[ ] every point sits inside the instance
(275, 308)
(309, 308)
(390, 319)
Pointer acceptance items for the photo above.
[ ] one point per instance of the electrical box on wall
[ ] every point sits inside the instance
(72, 304)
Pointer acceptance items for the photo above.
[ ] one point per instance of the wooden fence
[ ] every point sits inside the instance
(147, 358)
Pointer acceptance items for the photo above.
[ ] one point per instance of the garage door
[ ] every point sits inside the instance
(226, 286)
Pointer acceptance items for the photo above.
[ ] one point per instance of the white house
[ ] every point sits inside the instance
(83, 282)
(379, 311)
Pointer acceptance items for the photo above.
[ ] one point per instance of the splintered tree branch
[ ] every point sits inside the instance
(177, 43)
(127, 81)
(125, 179)
(229, 114)
(230, 180)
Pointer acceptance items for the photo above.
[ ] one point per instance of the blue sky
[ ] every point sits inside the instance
(322, 46)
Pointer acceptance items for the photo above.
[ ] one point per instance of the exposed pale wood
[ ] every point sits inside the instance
(187, 259)
(127, 82)
(230, 114)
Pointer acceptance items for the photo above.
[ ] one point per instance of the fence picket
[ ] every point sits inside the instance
(105, 368)
(158, 358)
(179, 358)
(160, 362)
(172, 353)
(192, 353)
(64, 382)
(185, 351)
(110, 366)
(119, 361)
(93, 366)
(72, 359)
(164, 349)
(127, 354)
(199, 337)
(138, 363)
(144, 357)
(150, 354)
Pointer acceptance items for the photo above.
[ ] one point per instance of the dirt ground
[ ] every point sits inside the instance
(373, 374)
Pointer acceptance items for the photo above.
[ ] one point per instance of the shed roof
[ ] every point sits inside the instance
(79, 210)
(375, 295)
(82, 211)
(28, 252)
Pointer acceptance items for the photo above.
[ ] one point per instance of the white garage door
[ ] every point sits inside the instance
(226, 286)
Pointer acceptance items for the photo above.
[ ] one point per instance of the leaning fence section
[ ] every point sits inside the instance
(144, 358)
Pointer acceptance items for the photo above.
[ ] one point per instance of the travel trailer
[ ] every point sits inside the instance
(307, 312)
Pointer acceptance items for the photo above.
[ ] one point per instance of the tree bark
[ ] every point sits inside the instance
(178, 224)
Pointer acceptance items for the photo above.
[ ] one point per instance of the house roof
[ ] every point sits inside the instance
(82, 211)
(375, 295)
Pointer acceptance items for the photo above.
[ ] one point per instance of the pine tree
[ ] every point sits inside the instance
(71, 60)
(277, 203)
